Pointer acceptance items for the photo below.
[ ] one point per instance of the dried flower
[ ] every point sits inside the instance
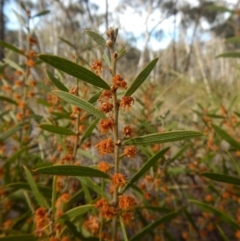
(97, 66)
(126, 102)
(105, 96)
(118, 179)
(106, 107)
(119, 82)
(103, 166)
(92, 224)
(130, 151)
(128, 131)
(126, 202)
(105, 147)
(127, 217)
(105, 125)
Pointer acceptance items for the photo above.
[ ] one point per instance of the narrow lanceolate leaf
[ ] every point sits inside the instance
(76, 212)
(152, 226)
(146, 167)
(224, 236)
(221, 178)
(21, 237)
(223, 216)
(82, 104)
(57, 129)
(56, 82)
(89, 130)
(44, 12)
(4, 98)
(95, 97)
(74, 70)
(12, 131)
(96, 37)
(92, 185)
(11, 47)
(36, 193)
(70, 170)
(225, 136)
(15, 156)
(162, 137)
(229, 55)
(141, 77)
(233, 40)
(67, 42)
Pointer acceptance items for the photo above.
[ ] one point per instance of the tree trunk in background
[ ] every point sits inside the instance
(2, 28)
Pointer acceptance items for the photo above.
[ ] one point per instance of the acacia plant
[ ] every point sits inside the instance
(62, 186)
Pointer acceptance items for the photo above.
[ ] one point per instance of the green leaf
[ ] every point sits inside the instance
(15, 156)
(11, 47)
(224, 236)
(162, 137)
(224, 217)
(56, 129)
(229, 55)
(76, 212)
(225, 136)
(57, 82)
(121, 52)
(3, 98)
(12, 131)
(46, 191)
(141, 77)
(44, 12)
(91, 184)
(125, 238)
(154, 225)
(36, 193)
(221, 178)
(82, 104)
(96, 37)
(22, 237)
(146, 167)
(178, 154)
(71, 170)
(75, 70)
(89, 130)
(13, 64)
(95, 97)
(220, 9)
(233, 40)
(67, 42)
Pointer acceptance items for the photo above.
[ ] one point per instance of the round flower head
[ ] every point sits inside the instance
(105, 147)
(118, 179)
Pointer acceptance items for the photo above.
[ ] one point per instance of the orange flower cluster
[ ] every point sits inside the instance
(30, 62)
(105, 96)
(126, 102)
(130, 151)
(118, 82)
(41, 221)
(103, 166)
(128, 131)
(106, 210)
(60, 202)
(106, 125)
(92, 224)
(106, 107)
(97, 66)
(127, 203)
(105, 147)
(118, 179)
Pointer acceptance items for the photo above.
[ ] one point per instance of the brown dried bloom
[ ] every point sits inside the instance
(105, 147)
(119, 82)
(130, 151)
(106, 107)
(92, 224)
(126, 102)
(103, 166)
(126, 202)
(30, 63)
(109, 212)
(118, 179)
(97, 66)
(105, 96)
(105, 125)
(127, 217)
(101, 203)
(128, 131)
